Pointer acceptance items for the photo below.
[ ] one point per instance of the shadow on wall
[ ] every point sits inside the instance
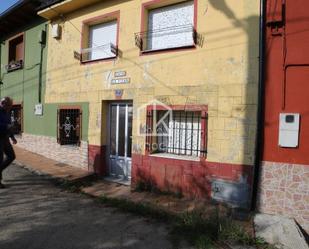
(248, 120)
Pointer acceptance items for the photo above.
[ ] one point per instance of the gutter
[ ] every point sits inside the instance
(260, 110)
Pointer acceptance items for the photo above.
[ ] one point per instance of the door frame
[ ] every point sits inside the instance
(108, 126)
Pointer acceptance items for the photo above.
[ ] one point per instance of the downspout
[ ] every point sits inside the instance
(260, 107)
(43, 45)
(1, 76)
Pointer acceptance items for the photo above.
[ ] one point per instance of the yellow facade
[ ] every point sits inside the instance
(222, 73)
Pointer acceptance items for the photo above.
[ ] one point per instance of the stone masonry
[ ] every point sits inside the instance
(284, 189)
(47, 146)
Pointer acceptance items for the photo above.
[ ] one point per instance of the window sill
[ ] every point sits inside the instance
(163, 50)
(177, 157)
(98, 60)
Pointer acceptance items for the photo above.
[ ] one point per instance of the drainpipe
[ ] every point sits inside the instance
(1, 82)
(260, 109)
(43, 45)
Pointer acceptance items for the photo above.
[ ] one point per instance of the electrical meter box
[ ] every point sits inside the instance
(56, 31)
(289, 130)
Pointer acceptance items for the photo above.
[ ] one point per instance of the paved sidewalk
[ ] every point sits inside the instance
(42, 165)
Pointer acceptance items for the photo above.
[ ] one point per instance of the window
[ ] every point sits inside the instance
(169, 27)
(181, 133)
(16, 53)
(100, 37)
(69, 126)
(16, 119)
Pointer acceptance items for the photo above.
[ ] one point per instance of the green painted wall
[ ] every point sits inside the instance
(23, 86)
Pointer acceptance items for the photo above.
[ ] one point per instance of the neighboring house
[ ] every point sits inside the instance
(171, 86)
(284, 179)
(23, 77)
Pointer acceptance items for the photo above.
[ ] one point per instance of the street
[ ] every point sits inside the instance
(37, 214)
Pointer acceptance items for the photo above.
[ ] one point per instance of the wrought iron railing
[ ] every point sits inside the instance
(167, 38)
(105, 51)
(14, 65)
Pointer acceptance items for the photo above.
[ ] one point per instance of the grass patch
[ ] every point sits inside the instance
(142, 186)
(73, 187)
(207, 233)
(137, 208)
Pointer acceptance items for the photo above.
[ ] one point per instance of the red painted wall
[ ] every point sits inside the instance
(287, 77)
(97, 159)
(191, 178)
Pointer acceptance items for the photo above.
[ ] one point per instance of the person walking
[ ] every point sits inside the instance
(5, 135)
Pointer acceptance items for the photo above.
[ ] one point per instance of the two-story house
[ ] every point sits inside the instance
(170, 89)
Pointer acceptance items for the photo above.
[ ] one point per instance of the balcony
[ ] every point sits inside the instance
(168, 38)
(14, 65)
(106, 51)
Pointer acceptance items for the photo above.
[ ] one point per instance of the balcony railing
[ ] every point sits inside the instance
(102, 52)
(167, 38)
(15, 65)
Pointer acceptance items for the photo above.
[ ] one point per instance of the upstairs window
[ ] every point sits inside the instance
(100, 38)
(169, 27)
(16, 53)
(69, 126)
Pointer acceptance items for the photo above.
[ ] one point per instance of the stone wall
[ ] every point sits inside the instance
(284, 189)
(47, 146)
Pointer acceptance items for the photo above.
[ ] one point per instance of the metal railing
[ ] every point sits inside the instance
(105, 51)
(167, 38)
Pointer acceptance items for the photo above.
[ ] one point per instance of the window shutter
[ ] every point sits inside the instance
(204, 117)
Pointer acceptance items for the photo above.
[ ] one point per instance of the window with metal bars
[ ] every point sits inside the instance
(16, 119)
(182, 133)
(69, 126)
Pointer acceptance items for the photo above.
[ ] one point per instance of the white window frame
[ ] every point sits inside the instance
(105, 44)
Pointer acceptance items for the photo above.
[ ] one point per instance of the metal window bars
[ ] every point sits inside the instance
(69, 126)
(168, 38)
(16, 119)
(184, 134)
(105, 51)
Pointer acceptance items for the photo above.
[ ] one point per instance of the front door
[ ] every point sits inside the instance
(120, 140)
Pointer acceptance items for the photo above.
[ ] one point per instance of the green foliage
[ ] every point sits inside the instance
(137, 208)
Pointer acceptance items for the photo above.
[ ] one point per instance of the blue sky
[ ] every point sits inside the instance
(5, 4)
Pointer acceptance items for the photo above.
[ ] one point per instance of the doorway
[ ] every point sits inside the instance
(120, 141)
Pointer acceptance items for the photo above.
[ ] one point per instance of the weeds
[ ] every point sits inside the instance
(142, 186)
(137, 208)
(200, 231)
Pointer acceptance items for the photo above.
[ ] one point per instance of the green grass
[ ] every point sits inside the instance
(137, 208)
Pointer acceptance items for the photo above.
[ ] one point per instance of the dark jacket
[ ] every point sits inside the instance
(5, 124)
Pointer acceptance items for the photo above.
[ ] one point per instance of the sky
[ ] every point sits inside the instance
(5, 4)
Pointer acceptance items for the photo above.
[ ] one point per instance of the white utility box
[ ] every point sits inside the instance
(56, 31)
(289, 130)
(38, 109)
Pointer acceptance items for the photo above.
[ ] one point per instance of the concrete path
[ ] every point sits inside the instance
(35, 215)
